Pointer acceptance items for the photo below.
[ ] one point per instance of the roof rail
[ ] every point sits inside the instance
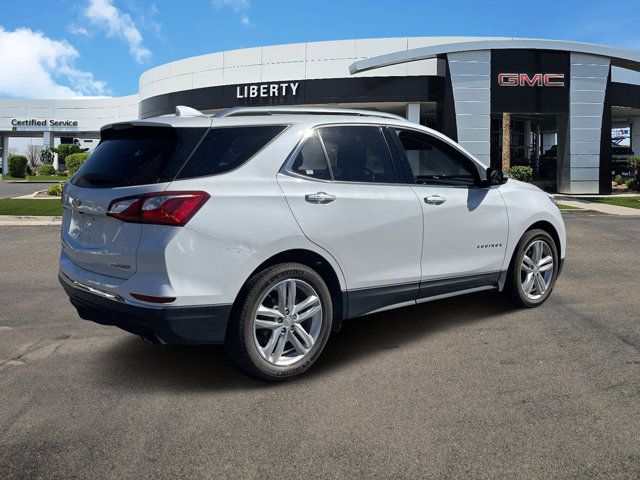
(251, 111)
(182, 111)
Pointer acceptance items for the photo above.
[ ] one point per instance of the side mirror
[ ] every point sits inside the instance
(495, 176)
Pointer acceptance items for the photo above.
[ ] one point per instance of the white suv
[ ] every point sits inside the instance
(265, 228)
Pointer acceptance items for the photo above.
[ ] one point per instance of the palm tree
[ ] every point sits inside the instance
(506, 141)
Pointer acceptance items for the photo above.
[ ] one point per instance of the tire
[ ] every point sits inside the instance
(517, 278)
(248, 345)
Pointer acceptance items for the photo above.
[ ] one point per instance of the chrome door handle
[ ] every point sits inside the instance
(435, 200)
(320, 197)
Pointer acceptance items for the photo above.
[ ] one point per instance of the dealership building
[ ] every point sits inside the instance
(563, 98)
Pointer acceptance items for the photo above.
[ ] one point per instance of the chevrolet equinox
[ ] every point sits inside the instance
(265, 228)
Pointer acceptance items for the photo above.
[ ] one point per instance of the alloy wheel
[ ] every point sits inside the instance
(536, 269)
(287, 322)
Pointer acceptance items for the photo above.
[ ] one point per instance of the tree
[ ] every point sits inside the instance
(67, 149)
(506, 142)
(634, 166)
(46, 155)
(33, 155)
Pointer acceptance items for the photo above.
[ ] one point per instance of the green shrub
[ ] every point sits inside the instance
(18, 166)
(524, 174)
(633, 162)
(55, 190)
(46, 169)
(634, 166)
(67, 150)
(29, 171)
(631, 183)
(617, 179)
(75, 161)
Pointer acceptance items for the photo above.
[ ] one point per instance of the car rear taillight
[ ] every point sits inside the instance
(159, 208)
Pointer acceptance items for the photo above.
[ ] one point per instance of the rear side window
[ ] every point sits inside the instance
(311, 161)
(130, 156)
(224, 149)
(358, 154)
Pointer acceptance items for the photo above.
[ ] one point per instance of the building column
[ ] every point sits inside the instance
(471, 85)
(635, 135)
(579, 170)
(413, 112)
(4, 144)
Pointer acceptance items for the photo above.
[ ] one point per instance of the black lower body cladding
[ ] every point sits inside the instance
(197, 325)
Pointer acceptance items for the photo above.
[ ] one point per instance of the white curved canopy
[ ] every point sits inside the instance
(620, 57)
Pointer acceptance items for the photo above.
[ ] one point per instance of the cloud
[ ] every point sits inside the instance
(235, 5)
(147, 21)
(78, 31)
(36, 66)
(238, 6)
(103, 14)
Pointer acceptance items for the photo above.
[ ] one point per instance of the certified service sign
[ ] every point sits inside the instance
(33, 122)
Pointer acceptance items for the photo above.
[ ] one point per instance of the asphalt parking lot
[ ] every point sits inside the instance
(14, 189)
(461, 388)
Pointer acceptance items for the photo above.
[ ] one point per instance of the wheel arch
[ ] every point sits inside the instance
(543, 225)
(315, 261)
(550, 229)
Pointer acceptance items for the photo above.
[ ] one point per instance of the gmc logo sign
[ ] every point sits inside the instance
(537, 80)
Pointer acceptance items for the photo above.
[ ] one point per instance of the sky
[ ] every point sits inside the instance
(74, 48)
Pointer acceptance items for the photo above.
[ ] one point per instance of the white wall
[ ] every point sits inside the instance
(624, 75)
(91, 114)
(300, 61)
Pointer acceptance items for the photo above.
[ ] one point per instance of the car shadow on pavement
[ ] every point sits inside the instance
(372, 334)
(133, 364)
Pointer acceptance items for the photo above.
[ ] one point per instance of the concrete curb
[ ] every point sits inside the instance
(578, 210)
(35, 182)
(32, 196)
(14, 220)
(597, 207)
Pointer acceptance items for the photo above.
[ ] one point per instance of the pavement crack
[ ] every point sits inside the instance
(598, 326)
(36, 351)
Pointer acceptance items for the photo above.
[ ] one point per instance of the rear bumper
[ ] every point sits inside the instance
(204, 324)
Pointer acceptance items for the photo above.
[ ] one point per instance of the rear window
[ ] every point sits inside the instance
(224, 149)
(146, 155)
(137, 156)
